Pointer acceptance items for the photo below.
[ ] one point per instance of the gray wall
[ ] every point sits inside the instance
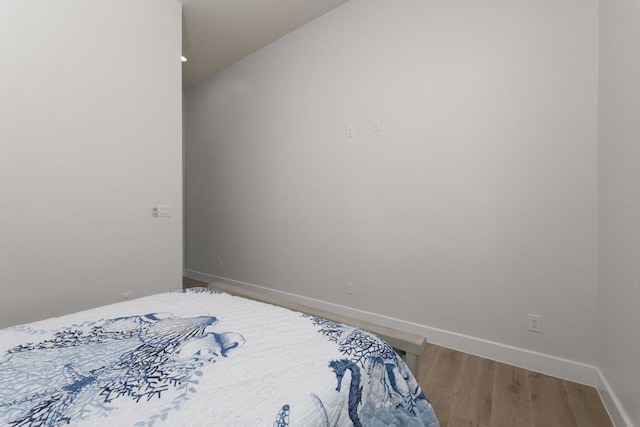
(619, 155)
(474, 205)
(90, 140)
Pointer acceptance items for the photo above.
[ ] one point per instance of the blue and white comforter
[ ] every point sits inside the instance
(202, 358)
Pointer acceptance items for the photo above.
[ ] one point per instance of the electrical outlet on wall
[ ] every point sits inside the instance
(534, 323)
(350, 289)
(351, 131)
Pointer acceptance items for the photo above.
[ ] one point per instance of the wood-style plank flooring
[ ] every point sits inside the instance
(192, 283)
(467, 390)
(470, 391)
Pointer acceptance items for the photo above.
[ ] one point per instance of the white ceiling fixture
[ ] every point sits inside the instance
(217, 33)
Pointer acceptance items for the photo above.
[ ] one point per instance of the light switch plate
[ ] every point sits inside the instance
(161, 211)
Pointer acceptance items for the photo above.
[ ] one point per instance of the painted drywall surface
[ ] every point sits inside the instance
(90, 101)
(472, 206)
(619, 199)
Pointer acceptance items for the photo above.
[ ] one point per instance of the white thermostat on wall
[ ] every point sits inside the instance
(161, 211)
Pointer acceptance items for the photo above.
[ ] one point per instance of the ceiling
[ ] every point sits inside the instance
(217, 33)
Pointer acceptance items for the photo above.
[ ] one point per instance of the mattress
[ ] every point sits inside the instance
(200, 357)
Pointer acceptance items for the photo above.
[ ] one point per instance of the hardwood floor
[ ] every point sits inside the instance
(470, 391)
(467, 390)
(192, 283)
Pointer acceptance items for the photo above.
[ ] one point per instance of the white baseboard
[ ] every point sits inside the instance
(616, 412)
(539, 362)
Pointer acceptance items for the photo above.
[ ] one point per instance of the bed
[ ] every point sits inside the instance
(203, 357)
